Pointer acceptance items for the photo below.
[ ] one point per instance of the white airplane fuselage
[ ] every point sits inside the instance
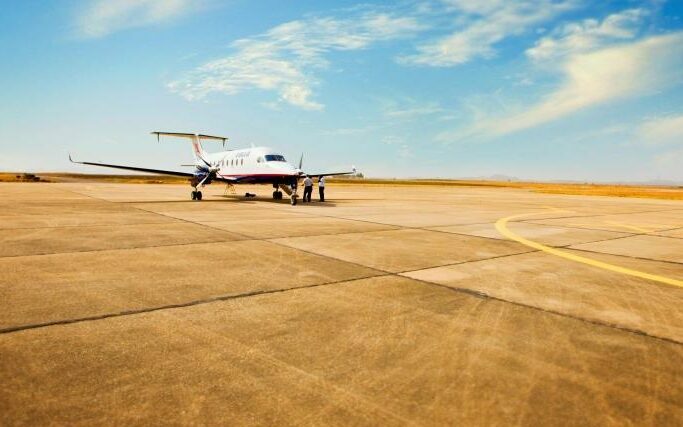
(250, 165)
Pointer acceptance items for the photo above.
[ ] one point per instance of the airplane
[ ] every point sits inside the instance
(256, 165)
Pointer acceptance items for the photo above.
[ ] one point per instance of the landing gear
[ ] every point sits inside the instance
(293, 197)
(197, 195)
(277, 195)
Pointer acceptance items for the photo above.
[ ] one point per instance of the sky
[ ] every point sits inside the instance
(533, 89)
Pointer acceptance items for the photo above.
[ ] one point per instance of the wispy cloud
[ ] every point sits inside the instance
(482, 24)
(284, 59)
(662, 130)
(103, 17)
(598, 61)
(594, 78)
(414, 111)
(401, 147)
(588, 35)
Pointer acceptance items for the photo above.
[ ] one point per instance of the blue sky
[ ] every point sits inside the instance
(536, 89)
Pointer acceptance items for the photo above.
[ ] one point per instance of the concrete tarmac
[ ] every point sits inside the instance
(133, 305)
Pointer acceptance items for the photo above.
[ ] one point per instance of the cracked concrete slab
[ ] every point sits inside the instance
(677, 233)
(649, 222)
(74, 220)
(295, 227)
(651, 247)
(551, 283)
(387, 351)
(548, 235)
(49, 288)
(39, 241)
(402, 250)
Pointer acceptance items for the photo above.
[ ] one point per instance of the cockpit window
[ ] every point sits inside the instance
(275, 158)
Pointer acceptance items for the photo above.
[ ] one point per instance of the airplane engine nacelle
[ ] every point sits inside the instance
(199, 177)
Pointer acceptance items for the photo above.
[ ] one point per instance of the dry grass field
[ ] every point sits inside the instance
(612, 190)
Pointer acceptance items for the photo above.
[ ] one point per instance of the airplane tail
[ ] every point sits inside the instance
(197, 149)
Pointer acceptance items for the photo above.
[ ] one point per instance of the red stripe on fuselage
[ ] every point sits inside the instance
(259, 175)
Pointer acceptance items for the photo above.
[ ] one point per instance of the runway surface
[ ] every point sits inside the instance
(133, 305)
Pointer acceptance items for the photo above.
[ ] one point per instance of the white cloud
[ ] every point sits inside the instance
(414, 111)
(588, 35)
(638, 68)
(283, 58)
(103, 17)
(393, 140)
(483, 24)
(662, 130)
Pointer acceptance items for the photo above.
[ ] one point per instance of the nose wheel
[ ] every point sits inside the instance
(197, 195)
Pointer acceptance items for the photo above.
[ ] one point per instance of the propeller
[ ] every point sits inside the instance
(210, 170)
(208, 165)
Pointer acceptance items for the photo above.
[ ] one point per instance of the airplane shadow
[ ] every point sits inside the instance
(284, 201)
(241, 200)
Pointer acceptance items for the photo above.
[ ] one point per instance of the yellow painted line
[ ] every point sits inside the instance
(502, 227)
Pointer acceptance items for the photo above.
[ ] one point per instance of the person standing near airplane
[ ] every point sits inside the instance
(321, 188)
(308, 188)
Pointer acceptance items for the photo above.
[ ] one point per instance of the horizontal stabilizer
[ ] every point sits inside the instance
(191, 136)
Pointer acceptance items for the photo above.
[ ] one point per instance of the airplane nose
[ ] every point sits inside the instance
(288, 169)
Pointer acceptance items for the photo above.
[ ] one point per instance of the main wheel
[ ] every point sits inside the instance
(194, 195)
(199, 195)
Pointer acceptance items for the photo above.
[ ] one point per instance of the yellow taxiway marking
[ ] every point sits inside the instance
(502, 227)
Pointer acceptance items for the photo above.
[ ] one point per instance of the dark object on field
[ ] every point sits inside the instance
(29, 177)
(249, 195)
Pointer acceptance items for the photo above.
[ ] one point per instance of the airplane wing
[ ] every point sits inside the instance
(318, 175)
(147, 170)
